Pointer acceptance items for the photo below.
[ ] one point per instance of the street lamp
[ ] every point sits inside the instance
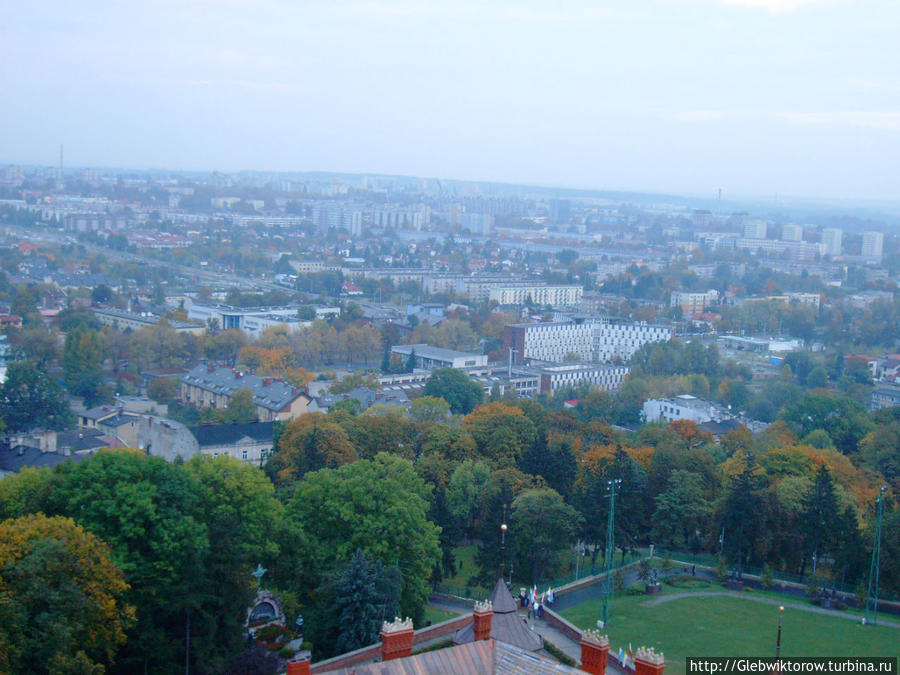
(778, 641)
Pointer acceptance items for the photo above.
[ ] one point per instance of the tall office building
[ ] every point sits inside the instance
(831, 240)
(755, 229)
(873, 245)
(792, 232)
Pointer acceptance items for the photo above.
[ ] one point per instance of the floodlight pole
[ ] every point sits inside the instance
(874, 569)
(610, 550)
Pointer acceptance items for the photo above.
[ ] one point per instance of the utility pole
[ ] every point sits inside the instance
(509, 368)
(610, 550)
(875, 568)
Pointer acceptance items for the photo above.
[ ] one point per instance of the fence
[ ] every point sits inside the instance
(707, 560)
(477, 593)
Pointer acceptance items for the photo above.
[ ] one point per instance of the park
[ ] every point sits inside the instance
(699, 617)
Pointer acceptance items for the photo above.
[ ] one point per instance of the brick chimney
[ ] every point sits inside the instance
(648, 662)
(300, 664)
(594, 652)
(396, 639)
(483, 615)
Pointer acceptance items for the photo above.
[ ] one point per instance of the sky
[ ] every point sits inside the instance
(756, 97)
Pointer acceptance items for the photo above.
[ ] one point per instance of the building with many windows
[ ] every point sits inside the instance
(592, 339)
(873, 245)
(556, 296)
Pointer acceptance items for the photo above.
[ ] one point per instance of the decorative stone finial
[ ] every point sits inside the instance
(397, 625)
(649, 655)
(595, 637)
(484, 607)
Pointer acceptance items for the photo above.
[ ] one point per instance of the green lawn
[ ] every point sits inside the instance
(730, 626)
(465, 568)
(435, 615)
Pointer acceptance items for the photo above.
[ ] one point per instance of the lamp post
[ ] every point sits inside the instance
(502, 549)
(778, 642)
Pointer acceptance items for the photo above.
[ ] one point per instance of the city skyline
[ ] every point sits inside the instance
(756, 97)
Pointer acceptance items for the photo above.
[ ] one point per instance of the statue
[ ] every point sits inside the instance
(258, 573)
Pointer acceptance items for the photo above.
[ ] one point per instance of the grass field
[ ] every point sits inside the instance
(721, 625)
(435, 615)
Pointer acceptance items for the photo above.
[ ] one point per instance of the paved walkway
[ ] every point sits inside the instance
(768, 601)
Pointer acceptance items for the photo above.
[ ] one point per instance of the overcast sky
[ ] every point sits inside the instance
(758, 97)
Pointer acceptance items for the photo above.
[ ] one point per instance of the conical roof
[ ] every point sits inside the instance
(502, 599)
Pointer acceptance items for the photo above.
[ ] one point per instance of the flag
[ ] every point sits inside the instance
(550, 594)
(621, 656)
(630, 653)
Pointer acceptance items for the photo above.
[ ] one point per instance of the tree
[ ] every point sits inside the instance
(257, 660)
(467, 486)
(82, 363)
(163, 389)
(379, 506)
(241, 407)
(61, 607)
(555, 461)
(236, 503)
(144, 508)
(821, 515)
(29, 399)
(502, 433)
(355, 601)
(743, 514)
(429, 409)
(817, 377)
(542, 523)
(681, 511)
(309, 443)
(455, 387)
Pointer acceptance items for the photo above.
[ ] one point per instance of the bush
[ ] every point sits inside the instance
(286, 653)
(558, 653)
(619, 580)
(767, 578)
(721, 569)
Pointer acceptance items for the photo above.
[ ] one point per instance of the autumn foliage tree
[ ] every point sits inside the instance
(61, 607)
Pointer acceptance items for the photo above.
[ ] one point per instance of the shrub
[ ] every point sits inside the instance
(619, 580)
(721, 569)
(767, 578)
(558, 653)
(286, 653)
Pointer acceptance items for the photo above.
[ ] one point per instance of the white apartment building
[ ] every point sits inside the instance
(557, 296)
(791, 232)
(831, 240)
(755, 229)
(873, 245)
(591, 340)
(603, 377)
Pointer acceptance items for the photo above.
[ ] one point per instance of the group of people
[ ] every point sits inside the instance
(535, 602)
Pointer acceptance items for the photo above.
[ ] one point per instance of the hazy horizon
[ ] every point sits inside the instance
(799, 98)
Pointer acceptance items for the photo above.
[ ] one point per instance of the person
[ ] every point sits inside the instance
(693, 570)
(529, 611)
(535, 608)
